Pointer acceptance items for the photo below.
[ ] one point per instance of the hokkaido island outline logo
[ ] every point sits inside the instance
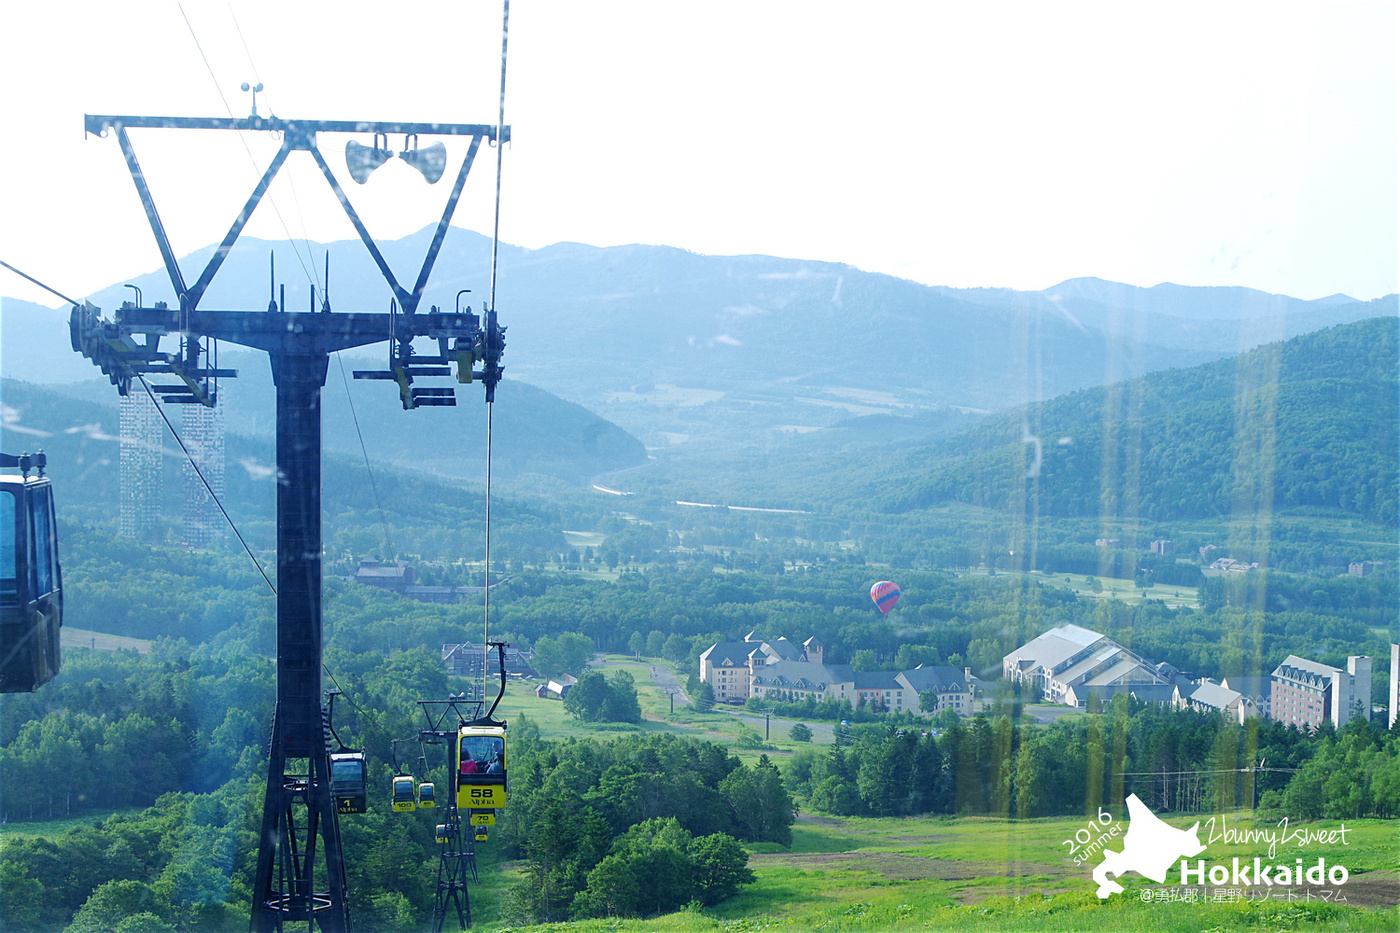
(1151, 847)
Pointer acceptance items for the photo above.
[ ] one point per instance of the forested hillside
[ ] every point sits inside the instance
(535, 434)
(642, 824)
(1310, 422)
(382, 509)
(184, 734)
(1245, 624)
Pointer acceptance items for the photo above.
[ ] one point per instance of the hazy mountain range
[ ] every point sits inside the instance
(675, 346)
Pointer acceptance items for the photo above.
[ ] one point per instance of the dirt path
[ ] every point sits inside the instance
(70, 637)
(666, 680)
(823, 733)
(1021, 877)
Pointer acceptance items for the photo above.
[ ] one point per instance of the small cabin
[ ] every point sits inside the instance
(348, 782)
(481, 765)
(31, 581)
(403, 798)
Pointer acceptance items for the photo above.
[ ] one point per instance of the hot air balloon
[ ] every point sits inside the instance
(885, 594)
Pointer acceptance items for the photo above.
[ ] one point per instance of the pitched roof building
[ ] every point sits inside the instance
(397, 576)
(729, 666)
(1070, 656)
(1257, 689)
(739, 669)
(803, 678)
(467, 660)
(1161, 694)
(1211, 697)
(954, 688)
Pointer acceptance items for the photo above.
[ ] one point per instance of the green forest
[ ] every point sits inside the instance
(170, 744)
(1005, 765)
(173, 744)
(1307, 423)
(133, 782)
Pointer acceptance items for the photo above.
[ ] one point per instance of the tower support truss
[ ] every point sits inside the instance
(301, 877)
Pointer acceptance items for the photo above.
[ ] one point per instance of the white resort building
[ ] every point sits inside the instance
(1072, 658)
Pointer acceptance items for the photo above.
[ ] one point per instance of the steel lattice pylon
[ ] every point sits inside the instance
(457, 858)
(301, 864)
(456, 852)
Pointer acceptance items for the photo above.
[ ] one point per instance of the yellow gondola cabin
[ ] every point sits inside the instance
(403, 797)
(481, 765)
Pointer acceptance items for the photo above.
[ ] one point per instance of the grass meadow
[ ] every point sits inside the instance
(966, 873)
(987, 874)
(971, 873)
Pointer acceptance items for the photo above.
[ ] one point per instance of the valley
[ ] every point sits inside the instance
(731, 473)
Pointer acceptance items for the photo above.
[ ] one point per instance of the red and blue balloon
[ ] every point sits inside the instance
(885, 594)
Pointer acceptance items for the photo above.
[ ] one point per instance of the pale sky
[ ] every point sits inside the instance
(965, 144)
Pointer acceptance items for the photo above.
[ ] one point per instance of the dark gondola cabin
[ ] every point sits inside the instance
(348, 782)
(427, 796)
(31, 583)
(481, 765)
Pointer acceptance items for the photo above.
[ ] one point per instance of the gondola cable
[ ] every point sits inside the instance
(374, 487)
(490, 400)
(171, 427)
(40, 284)
(200, 473)
(331, 675)
(486, 591)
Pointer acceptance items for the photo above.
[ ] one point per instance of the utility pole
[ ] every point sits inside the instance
(301, 868)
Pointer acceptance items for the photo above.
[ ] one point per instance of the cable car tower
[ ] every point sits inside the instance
(301, 870)
(476, 753)
(456, 853)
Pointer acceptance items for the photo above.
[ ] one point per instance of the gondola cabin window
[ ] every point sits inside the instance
(483, 754)
(9, 583)
(347, 775)
(403, 800)
(41, 518)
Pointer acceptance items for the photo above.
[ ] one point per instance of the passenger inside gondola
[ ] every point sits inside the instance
(481, 752)
(348, 774)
